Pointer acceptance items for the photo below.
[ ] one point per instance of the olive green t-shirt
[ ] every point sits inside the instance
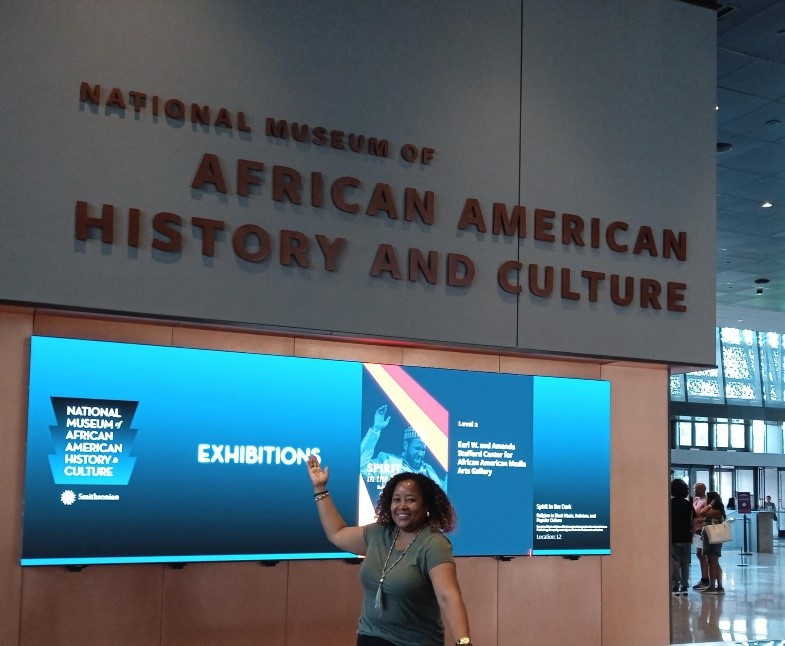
(410, 616)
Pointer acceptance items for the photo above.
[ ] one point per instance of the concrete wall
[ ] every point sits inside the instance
(603, 111)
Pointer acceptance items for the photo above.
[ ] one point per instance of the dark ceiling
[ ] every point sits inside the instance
(751, 119)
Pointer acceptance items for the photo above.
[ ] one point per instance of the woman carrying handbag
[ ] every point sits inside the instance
(712, 513)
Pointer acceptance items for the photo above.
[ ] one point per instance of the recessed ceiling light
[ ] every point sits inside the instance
(759, 291)
(767, 205)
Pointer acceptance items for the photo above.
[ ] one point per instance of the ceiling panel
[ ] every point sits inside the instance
(727, 278)
(732, 221)
(745, 205)
(741, 11)
(741, 145)
(735, 222)
(768, 188)
(732, 299)
(729, 61)
(760, 78)
(763, 303)
(754, 244)
(733, 105)
(762, 266)
(758, 36)
(766, 160)
(730, 178)
(766, 123)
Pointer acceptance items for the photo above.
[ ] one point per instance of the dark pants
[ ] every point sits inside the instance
(367, 640)
(680, 563)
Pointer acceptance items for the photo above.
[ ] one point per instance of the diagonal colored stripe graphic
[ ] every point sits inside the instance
(365, 507)
(425, 415)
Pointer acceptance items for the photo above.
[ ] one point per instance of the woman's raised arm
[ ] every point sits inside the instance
(348, 539)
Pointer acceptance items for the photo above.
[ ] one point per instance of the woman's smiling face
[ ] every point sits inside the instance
(408, 507)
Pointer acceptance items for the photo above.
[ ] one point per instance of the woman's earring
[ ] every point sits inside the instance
(427, 514)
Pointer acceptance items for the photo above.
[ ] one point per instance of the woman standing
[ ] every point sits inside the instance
(408, 575)
(713, 512)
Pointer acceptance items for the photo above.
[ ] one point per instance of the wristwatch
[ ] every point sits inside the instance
(464, 641)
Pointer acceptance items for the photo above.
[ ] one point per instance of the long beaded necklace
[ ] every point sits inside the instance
(378, 602)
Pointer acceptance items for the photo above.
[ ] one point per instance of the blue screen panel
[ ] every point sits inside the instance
(158, 454)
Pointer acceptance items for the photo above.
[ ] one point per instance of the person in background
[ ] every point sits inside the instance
(698, 503)
(408, 575)
(713, 512)
(681, 536)
(731, 506)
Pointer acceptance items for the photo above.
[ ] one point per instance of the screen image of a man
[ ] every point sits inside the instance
(381, 467)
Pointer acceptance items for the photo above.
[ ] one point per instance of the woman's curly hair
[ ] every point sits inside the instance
(440, 512)
(679, 488)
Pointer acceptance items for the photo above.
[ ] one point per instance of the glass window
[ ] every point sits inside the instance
(707, 385)
(738, 434)
(724, 484)
(770, 477)
(702, 434)
(750, 371)
(758, 436)
(730, 335)
(735, 360)
(781, 493)
(680, 472)
(740, 366)
(685, 433)
(745, 481)
(704, 386)
(702, 475)
(721, 433)
(755, 435)
(774, 436)
(677, 388)
(770, 347)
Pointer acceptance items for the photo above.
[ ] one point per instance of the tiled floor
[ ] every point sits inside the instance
(752, 609)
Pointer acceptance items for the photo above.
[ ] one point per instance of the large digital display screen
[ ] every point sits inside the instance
(141, 454)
